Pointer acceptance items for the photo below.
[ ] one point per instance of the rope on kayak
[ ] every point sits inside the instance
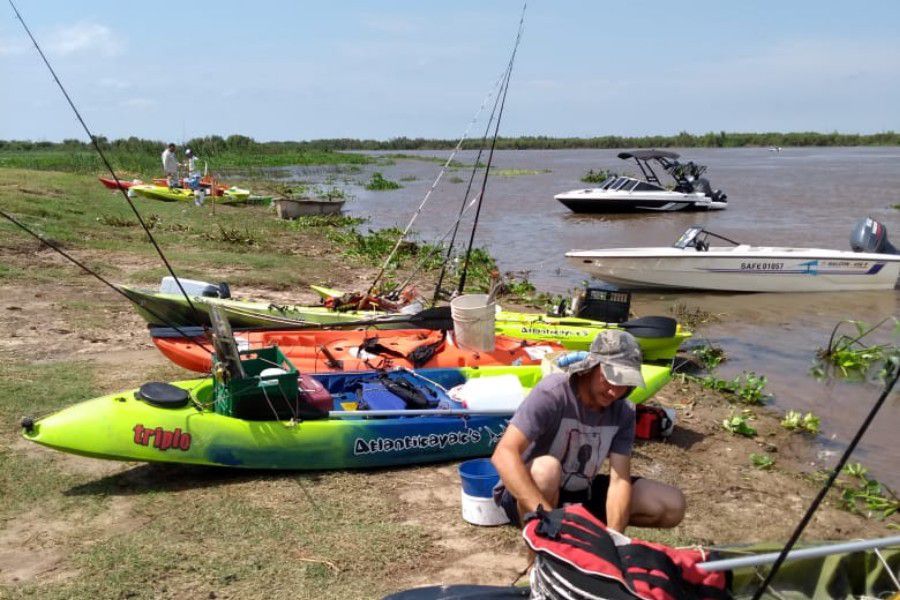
(496, 87)
(487, 168)
(115, 288)
(889, 385)
(105, 161)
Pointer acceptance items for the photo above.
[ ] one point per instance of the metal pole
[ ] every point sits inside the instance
(816, 552)
(438, 412)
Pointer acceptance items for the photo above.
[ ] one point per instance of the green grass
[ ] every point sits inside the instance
(145, 161)
(190, 532)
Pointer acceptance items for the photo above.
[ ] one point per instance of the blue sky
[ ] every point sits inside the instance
(298, 70)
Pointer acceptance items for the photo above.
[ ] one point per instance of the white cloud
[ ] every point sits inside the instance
(9, 46)
(82, 36)
(393, 25)
(114, 83)
(64, 40)
(139, 103)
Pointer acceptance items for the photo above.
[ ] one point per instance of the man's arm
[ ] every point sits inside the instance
(507, 459)
(618, 499)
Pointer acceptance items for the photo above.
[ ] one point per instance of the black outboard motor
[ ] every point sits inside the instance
(871, 236)
(702, 185)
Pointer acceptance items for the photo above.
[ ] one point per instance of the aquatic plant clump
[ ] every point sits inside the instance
(763, 462)
(710, 356)
(379, 183)
(598, 176)
(797, 421)
(746, 388)
(851, 357)
(739, 424)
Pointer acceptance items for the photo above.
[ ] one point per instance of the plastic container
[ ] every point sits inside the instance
(193, 287)
(473, 321)
(478, 478)
(500, 392)
(482, 511)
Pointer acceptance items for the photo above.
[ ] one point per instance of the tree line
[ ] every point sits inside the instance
(215, 145)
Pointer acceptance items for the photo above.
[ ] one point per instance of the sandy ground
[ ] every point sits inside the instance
(729, 501)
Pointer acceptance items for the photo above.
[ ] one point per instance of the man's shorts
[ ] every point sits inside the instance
(594, 499)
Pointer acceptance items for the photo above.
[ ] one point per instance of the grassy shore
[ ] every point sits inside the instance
(73, 527)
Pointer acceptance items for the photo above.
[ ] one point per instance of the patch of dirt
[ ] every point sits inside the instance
(35, 546)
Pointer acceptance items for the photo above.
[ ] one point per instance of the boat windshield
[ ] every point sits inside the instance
(608, 182)
(688, 238)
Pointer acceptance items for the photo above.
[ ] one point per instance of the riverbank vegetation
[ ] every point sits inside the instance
(135, 156)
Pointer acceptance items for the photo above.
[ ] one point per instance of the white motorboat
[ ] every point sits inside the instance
(620, 194)
(692, 263)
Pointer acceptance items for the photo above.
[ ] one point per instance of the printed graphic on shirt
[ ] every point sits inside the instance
(581, 449)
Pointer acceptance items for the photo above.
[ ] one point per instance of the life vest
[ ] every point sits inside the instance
(578, 558)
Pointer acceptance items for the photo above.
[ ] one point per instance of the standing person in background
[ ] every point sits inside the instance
(190, 160)
(170, 165)
(193, 179)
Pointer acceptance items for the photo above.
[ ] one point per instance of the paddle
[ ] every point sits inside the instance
(437, 318)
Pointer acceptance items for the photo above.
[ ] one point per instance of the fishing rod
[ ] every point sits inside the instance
(756, 560)
(463, 208)
(434, 184)
(96, 145)
(891, 380)
(487, 169)
(90, 271)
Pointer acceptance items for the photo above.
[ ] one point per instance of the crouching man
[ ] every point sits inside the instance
(557, 440)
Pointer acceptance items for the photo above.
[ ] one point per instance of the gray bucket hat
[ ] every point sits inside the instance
(618, 354)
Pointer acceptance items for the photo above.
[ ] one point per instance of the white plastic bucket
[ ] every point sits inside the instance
(482, 511)
(473, 321)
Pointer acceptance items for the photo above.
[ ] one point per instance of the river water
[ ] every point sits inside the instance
(795, 197)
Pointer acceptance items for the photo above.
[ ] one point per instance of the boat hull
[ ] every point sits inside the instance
(735, 272)
(121, 427)
(590, 201)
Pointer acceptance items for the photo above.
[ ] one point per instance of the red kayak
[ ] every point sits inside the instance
(110, 183)
(329, 350)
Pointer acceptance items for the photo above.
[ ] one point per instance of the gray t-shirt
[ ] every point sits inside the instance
(559, 425)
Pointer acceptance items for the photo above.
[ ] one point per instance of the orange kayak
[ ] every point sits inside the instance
(321, 351)
(111, 183)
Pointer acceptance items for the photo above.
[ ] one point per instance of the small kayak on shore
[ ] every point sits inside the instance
(167, 194)
(658, 343)
(183, 423)
(110, 183)
(319, 351)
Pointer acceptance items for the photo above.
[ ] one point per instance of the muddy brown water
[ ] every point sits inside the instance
(795, 197)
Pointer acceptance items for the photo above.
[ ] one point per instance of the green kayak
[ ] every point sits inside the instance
(166, 309)
(192, 429)
(167, 194)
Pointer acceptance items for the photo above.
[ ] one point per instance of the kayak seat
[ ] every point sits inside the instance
(375, 396)
(163, 395)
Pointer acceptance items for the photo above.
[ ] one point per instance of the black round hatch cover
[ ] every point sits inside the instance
(164, 395)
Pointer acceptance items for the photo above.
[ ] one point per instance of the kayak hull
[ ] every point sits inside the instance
(121, 427)
(167, 194)
(573, 333)
(320, 351)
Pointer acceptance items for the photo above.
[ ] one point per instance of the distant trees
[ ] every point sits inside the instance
(214, 145)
